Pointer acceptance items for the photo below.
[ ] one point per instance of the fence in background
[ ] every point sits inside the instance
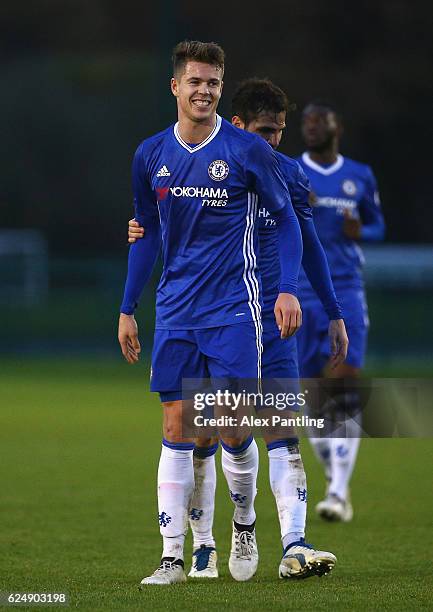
(70, 306)
(24, 267)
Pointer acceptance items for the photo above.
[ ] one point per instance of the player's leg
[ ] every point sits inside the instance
(288, 482)
(337, 504)
(234, 353)
(286, 470)
(201, 510)
(313, 354)
(344, 448)
(240, 462)
(175, 356)
(289, 486)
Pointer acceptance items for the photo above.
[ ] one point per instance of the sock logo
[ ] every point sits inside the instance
(302, 494)
(195, 514)
(238, 498)
(325, 453)
(341, 451)
(164, 519)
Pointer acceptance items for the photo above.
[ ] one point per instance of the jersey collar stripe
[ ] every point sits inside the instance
(202, 144)
(250, 278)
(318, 168)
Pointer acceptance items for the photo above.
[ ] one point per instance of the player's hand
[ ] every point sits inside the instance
(339, 342)
(128, 338)
(288, 314)
(135, 231)
(351, 226)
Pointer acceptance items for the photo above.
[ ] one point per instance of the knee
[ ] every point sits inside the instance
(172, 425)
(173, 434)
(205, 442)
(233, 442)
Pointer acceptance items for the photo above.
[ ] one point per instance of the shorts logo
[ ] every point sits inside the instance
(218, 170)
(349, 187)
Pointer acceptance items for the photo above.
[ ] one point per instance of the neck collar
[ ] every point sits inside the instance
(202, 144)
(326, 171)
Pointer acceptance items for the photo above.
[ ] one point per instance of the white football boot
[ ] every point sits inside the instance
(332, 508)
(300, 560)
(244, 556)
(204, 563)
(169, 572)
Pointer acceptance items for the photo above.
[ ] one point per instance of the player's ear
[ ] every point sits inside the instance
(237, 122)
(174, 87)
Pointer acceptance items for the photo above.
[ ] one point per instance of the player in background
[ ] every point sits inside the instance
(196, 186)
(260, 107)
(346, 211)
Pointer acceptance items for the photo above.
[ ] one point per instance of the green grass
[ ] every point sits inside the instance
(79, 450)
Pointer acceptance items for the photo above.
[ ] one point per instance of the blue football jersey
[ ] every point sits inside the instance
(269, 264)
(346, 185)
(206, 198)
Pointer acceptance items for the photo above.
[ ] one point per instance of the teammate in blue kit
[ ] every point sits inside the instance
(260, 107)
(346, 210)
(196, 186)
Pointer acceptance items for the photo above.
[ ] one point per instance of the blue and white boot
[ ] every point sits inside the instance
(204, 563)
(301, 560)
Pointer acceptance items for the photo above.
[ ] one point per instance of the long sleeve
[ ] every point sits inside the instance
(316, 268)
(289, 249)
(314, 259)
(141, 261)
(142, 254)
(267, 181)
(373, 224)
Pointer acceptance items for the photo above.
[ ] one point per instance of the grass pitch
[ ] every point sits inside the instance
(79, 450)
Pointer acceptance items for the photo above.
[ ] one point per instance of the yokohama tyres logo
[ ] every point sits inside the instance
(198, 192)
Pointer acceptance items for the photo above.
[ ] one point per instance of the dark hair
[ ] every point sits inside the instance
(196, 51)
(254, 95)
(321, 105)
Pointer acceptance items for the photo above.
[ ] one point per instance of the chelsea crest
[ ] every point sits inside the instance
(218, 170)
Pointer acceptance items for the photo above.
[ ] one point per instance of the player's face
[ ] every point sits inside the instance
(266, 124)
(319, 129)
(198, 91)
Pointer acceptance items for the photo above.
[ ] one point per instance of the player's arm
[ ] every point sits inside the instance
(264, 176)
(316, 268)
(288, 313)
(370, 227)
(141, 259)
